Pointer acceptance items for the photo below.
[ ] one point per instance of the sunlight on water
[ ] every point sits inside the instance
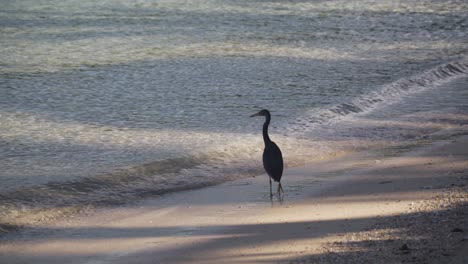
(115, 51)
(54, 36)
(109, 146)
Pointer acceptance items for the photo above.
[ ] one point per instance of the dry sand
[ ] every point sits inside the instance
(407, 209)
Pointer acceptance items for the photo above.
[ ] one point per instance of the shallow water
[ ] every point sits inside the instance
(103, 101)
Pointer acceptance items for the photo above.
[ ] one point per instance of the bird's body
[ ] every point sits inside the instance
(272, 157)
(273, 161)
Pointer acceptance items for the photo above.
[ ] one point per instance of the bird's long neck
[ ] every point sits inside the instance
(266, 138)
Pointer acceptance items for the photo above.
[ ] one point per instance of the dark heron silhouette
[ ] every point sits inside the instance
(272, 157)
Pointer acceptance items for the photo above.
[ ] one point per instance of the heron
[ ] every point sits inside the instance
(272, 157)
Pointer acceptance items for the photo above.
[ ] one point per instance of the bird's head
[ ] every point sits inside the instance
(262, 112)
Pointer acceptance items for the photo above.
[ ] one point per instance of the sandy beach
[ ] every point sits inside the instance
(356, 209)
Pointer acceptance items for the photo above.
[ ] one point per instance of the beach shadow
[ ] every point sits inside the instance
(251, 235)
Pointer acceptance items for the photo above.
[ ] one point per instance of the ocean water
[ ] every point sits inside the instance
(108, 101)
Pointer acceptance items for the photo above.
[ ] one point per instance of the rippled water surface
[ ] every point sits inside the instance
(118, 98)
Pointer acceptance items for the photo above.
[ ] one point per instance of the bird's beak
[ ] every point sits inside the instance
(256, 114)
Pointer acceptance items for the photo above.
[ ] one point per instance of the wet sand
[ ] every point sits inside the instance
(355, 209)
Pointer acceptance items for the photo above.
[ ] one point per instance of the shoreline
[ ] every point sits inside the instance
(333, 211)
(32, 218)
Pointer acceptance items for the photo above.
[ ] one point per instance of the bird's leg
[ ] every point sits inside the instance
(280, 188)
(271, 193)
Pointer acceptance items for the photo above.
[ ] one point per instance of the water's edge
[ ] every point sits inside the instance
(34, 205)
